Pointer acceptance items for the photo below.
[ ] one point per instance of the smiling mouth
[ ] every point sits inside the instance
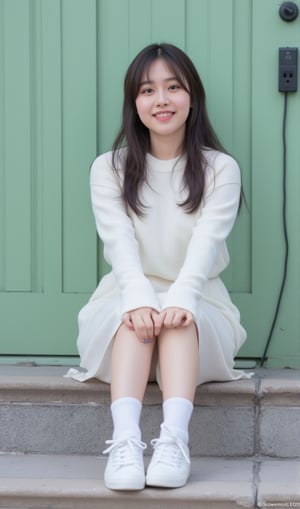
(164, 115)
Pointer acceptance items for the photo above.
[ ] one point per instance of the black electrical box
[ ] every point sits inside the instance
(288, 69)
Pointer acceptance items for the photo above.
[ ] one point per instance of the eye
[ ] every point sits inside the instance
(174, 87)
(146, 91)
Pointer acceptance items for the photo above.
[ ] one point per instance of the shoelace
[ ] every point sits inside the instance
(170, 440)
(125, 449)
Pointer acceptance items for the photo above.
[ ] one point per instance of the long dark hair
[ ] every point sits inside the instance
(199, 133)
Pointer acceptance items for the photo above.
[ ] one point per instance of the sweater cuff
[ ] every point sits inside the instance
(139, 294)
(182, 297)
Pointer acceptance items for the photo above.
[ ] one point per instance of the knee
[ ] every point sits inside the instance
(189, 331)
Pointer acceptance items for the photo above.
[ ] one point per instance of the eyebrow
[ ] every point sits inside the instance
(148, 82)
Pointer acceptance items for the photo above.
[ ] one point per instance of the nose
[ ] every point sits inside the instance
(162, 97)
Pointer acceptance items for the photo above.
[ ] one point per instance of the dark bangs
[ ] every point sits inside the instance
(142, 63)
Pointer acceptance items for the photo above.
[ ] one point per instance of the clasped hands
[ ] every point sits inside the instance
(147, 322)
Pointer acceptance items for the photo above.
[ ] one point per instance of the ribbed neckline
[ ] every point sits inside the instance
(162, 164)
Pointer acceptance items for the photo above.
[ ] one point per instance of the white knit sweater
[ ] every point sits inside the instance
(167, 249)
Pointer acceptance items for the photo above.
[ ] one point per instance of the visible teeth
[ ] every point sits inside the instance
(163, 115)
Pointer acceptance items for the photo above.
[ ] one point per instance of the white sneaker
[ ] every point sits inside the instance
(170, 465)
(125, 466)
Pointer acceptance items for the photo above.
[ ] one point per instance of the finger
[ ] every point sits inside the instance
(143, 325)
(179, 319)
(158, 320)
(168, 319)
(189, 319)
(183, 318)
(148, 326)
(126, 319)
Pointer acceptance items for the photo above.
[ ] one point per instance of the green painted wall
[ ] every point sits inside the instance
(62, 64)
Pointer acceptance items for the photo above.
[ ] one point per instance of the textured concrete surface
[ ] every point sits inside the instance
(77, 482)
(43, 412)
(253, 423)
(222, 431)
(279, 484)
(83, 429)
(280, 431)
(70, 482)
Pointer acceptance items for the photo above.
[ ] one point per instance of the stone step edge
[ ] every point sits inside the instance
(242, 482)
(273, 387)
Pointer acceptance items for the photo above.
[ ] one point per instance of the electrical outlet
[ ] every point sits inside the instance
(288, 69)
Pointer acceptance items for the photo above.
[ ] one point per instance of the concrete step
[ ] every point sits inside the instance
(76, 482)
(42, 412)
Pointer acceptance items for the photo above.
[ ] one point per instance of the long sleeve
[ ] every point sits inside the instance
(116, 230)
(207, 244)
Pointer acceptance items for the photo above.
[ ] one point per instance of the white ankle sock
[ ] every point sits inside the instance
(177, 413)
(126, 413)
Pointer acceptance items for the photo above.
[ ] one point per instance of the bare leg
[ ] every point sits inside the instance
(131, 363)
(179, 362)
(130, 368)
(178, 354)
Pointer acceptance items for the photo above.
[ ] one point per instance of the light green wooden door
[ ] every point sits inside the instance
(48, 139)
(63, 64)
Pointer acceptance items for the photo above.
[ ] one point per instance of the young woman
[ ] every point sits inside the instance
(164, 200)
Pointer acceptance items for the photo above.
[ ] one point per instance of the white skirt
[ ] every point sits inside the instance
(218, 321)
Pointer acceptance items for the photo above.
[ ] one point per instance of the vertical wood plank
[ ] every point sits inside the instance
(2, 155)
(113, 59)
(139, 27)
(241, 240)
(198, 35)
(52, 146)
(220, 92)
(168, 22)
(17, 84)
(36, 114)
(79, 113)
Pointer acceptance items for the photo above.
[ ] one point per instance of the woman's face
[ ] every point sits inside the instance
(163, 105)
